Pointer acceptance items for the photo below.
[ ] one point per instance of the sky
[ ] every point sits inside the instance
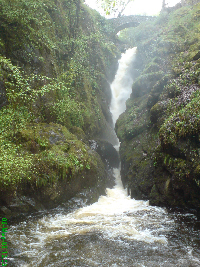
(141, 7)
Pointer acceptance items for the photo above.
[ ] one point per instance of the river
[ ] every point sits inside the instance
(114, 231)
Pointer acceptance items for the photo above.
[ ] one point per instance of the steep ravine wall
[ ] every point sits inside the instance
(55, 59)
(160, 130)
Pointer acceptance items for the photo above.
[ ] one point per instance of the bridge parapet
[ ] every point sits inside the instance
(123, 22)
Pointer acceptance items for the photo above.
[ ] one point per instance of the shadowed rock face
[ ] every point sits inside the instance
(189, 2)
(91, 174)
(3, 99)
(29, 64)
(107, 152)
(159, 131)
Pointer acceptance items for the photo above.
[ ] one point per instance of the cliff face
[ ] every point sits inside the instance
(159, 132)
(54, 97)
(189, 2)
(55, 59)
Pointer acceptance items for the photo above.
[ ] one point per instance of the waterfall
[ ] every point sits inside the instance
(109, 215)
(122, 85)
(121, 89)
(114, 231)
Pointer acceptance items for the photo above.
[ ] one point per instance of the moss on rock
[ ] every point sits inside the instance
(54, 98)
(161, 161)
(60, 166)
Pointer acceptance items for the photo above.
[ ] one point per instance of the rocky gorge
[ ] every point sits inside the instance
(57, 61)
(159, 132)
(54, 99)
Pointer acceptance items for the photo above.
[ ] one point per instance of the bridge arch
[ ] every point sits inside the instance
(123, 22)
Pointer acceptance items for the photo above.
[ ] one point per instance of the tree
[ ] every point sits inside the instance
(163, 4)
(114, 7)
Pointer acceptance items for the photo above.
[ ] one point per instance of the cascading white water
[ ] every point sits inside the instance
(122, 85)
(114, 231)
(108, 215)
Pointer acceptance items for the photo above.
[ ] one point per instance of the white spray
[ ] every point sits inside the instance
(122, 85)
(109, 213)
(114, 215)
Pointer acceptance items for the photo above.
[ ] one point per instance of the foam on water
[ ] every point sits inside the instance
(116, 221)
(110, 215)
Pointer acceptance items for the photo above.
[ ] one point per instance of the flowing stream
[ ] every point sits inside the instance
(115, 231)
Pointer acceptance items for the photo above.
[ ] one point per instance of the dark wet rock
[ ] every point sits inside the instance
(62, 167)
(59, 96)
(107, 152)
(3, 98)
(197, 56)
(55, 137)
(159, 131)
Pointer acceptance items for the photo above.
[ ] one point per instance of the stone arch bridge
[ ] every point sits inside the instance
(123, 22)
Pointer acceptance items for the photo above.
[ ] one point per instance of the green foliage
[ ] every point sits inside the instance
(21, 92)
(113, 7)
(53, 58)
(167, 147)
(185, 122)
(14, 166)
(68, 112)
(32, 23)
(37, 161)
